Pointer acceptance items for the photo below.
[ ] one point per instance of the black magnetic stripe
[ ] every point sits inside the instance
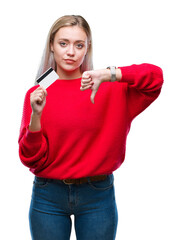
(44, 75)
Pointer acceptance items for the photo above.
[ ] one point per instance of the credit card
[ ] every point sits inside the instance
(47, 78)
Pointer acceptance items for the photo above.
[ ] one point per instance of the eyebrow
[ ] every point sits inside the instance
(67, 40)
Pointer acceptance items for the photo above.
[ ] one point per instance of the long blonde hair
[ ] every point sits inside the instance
(48, 61)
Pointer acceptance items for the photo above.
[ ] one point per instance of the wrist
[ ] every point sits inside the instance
(105, 75)
(36, 116)
(35, 122)
(118, 74)
(108, 76)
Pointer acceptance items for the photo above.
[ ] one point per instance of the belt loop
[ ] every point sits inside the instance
(88, 178)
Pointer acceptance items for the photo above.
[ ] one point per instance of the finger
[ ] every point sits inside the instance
(85, 75)
(38, 94)
(85, 88)
(92, 96)
(38, 100)
(87, 80)
(44, 90)
(38, 97)
(41, 92)
(41, 95)
(41, 89)
(87, 84)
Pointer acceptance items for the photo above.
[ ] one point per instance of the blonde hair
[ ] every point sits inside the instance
(48, 61)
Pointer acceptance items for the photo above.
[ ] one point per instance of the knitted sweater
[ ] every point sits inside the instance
(80, 139)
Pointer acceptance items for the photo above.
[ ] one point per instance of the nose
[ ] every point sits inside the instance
(70, 51)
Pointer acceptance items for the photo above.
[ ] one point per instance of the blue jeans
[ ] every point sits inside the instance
(92, 204)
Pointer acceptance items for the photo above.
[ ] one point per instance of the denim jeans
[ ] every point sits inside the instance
(92, 204)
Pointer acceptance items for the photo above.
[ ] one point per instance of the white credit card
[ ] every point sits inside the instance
(47, 78)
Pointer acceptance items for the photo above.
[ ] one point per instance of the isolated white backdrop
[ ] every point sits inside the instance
(148, 184)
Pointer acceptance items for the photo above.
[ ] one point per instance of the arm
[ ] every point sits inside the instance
(144, 84)
(93, 79)
(33, 147)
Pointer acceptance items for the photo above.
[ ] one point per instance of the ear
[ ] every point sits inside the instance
(52, 49)
(88, 45)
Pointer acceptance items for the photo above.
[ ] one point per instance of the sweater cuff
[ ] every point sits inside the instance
(33, 137)
(127, 74)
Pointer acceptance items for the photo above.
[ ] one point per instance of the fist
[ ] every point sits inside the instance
(38, 100)
(91, 80)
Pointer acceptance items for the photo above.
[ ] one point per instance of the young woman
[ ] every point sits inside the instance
(73, 135)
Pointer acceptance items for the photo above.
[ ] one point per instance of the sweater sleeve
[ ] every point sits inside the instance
(33, 146)
(144, 86)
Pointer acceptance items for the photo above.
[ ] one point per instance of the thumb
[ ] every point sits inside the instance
(92, 96)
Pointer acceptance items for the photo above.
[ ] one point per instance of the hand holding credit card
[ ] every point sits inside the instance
(47, 78)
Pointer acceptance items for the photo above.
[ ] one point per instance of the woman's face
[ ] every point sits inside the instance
(69, 47)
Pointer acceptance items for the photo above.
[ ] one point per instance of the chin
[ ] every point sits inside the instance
(70, 68)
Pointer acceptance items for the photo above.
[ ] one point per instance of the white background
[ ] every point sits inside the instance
(148, 184)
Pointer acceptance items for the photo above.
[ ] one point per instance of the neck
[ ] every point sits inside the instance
(68, 75)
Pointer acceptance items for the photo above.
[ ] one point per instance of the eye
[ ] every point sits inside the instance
(62, 44)
(80, 46)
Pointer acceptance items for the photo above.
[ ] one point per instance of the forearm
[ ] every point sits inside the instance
(35, 122)
(143, 77)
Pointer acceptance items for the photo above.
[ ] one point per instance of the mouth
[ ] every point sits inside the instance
(69, 61)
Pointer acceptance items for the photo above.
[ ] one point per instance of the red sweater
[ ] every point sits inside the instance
(80, 139)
